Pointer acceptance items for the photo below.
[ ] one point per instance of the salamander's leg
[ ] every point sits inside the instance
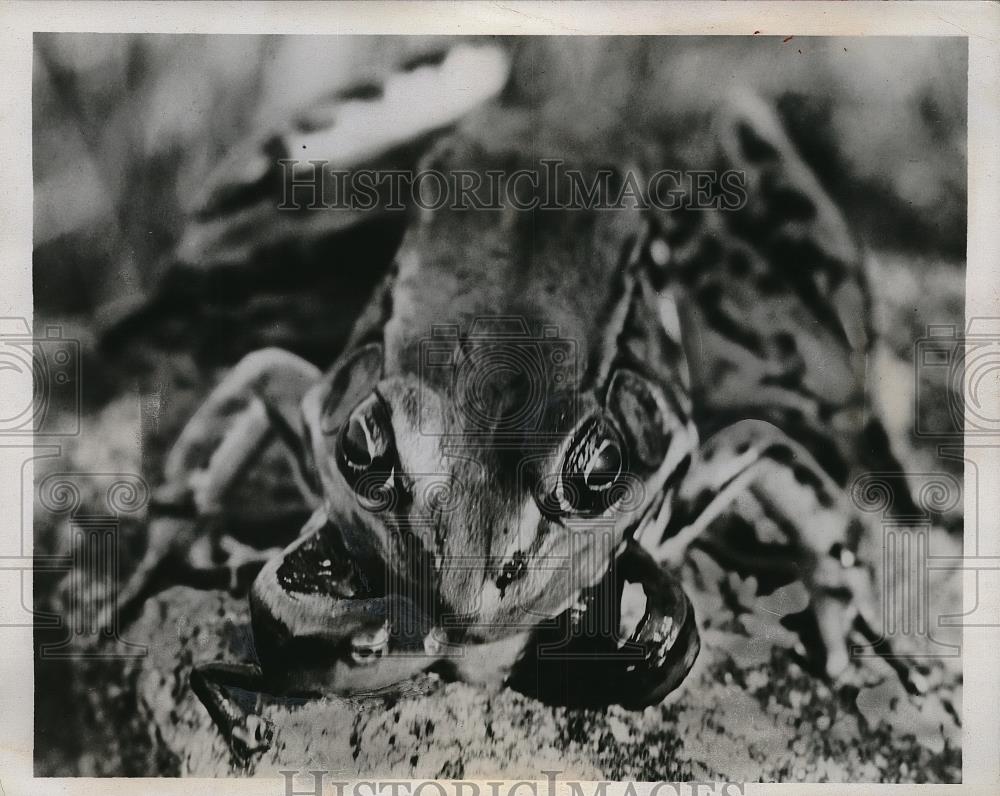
(630, 640)
(258, 398)
(823, 528)
(247, 733)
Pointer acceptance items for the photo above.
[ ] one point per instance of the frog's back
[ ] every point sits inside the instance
(557, 271)
(773, 296)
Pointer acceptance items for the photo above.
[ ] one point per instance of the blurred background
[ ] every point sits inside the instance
(128, 127)
(128, 130)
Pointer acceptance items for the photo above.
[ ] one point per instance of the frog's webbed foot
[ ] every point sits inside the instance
(246, 733)
(822, 528)
(253, 736)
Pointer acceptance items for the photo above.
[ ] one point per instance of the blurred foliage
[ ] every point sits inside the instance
(126, 127)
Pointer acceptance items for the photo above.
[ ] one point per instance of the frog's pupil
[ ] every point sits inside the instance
(604, 467)
(367, 437)
(356, 444)
(591, 472)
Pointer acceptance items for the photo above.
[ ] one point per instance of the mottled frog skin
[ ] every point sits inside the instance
(535, 416)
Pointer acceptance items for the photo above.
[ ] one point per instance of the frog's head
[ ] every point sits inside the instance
(489, 480)
(513, 420)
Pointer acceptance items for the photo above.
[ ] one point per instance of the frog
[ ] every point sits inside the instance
(536, 415)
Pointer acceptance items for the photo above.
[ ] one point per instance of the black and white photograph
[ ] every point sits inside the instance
(449, 408)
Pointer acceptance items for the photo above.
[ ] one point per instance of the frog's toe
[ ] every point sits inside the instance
(837, 660)
(823, 640)
(368, 647)
(252, 736)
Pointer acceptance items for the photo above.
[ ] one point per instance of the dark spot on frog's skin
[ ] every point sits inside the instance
(770, 285)
(709, 298)
(659, 278)
(424, 59)
(793, 421)
(794, 416)
(855, 532)
(742, 448)
(320, 118)
(681, 513)
(689, 274)
(788, 381)
(801, 262)
(683, 224)
(787, 204)
(626, 251)
(701, 502)
(807, 477)
(721, 368)
(803, 474)
(513, 570)
(184, 509)
(754, 147)
(785, 343)
(826, 412)
(841, 593)
(679, 472)
(363, 91)
(707, 255)
(782, 454)
(876, 450)
(738, 263)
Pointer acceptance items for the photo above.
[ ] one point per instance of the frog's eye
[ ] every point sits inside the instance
(593, 471)
(366, 454)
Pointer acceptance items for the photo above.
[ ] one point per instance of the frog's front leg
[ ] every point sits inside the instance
(822, 527)
(259, 397)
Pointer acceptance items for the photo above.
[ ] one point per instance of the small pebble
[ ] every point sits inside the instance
(619, 729)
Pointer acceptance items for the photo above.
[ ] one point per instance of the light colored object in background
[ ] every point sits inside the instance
(412, 104)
